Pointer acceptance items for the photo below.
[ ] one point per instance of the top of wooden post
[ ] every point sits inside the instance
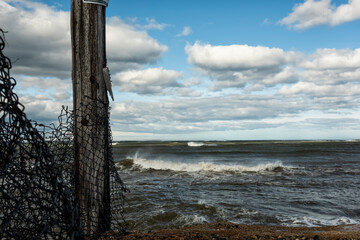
(100, 2)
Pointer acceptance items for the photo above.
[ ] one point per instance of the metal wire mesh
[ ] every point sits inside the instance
(38, 177)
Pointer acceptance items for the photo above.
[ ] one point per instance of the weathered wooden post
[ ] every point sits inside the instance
(91, 121)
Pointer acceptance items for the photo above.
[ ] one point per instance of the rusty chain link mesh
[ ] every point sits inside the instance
(37, 176)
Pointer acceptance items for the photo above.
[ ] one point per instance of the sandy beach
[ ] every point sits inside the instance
(226, 230)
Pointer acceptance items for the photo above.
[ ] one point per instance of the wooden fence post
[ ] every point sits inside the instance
(91, 139)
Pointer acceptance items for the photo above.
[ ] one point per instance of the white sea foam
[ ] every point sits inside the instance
(195, 144)
(192, 219)
(204, 166)
(200, 144)
(352, 140)
(199, 219)
(313, 222)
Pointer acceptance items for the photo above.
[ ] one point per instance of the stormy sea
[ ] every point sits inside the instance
(290, 183)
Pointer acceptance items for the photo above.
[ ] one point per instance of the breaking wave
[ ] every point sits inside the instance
(200, 144)
(160, 165)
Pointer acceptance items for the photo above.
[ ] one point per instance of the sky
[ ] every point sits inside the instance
(201, 70)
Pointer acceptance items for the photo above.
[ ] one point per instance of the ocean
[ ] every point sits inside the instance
(290, 183)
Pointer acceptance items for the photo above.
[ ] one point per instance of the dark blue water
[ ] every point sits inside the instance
(296, 183)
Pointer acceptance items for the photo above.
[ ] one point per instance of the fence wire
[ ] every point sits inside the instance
(38, 175)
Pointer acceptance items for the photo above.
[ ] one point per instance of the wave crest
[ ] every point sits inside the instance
(200, 144)
(195, 144)
(160, 165)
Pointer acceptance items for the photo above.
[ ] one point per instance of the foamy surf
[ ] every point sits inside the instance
(200, 144)
(313, 222)
(295, 183)
(145, 164)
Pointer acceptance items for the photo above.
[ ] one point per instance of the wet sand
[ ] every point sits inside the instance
(226, 230)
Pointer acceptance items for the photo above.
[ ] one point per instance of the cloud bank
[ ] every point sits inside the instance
(328, 78)
(233, 88)
(39, 41)
(229, 113)
(39, 45)
(38, 38)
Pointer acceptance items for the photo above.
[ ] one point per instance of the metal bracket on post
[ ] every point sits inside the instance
(106, 74)
(100, 2)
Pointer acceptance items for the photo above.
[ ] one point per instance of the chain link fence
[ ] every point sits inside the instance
(38, 176)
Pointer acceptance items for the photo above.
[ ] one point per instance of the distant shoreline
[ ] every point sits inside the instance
(274, 140)
(226, 142)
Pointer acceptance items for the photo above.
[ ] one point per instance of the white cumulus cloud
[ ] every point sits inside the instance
(314, 13)
(149, 81)
(41, 108)
(128, 48)
(238, 65)
(334, 59)
(39, 39)
(38, 43)
(330, 78)
(332, 66)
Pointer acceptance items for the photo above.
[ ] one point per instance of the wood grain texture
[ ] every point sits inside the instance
(91, 125)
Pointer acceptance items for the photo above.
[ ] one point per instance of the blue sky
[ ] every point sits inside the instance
(202, 70)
